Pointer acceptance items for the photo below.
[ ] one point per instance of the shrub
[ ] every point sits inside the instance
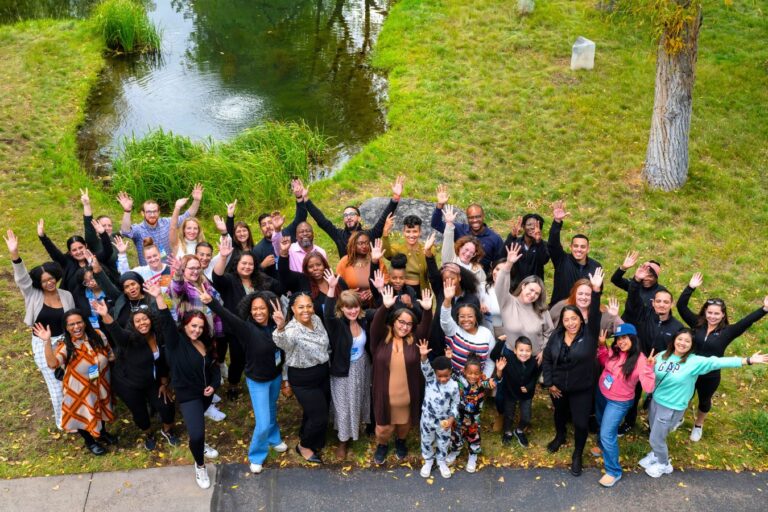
(255, 167)
(125, 27)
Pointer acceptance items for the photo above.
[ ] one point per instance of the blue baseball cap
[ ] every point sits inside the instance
(625, 330)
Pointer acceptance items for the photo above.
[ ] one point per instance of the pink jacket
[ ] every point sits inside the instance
(621, 389)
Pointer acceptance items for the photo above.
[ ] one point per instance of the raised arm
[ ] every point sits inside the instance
(53, 251)
(197, 198)
(173, 230)
(737, 329)
(501, 287)
(686, 314)
(595, 314)
(20, 274)
(126, 203)
(437, 214)
(556, 251)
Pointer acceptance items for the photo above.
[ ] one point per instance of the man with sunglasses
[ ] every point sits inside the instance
(352, 219)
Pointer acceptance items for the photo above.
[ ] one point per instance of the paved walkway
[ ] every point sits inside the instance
(300, 489)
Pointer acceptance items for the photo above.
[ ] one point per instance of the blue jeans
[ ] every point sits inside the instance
(266, 432)
(610, 414)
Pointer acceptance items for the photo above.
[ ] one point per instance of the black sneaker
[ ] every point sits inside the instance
(150, 443)
(520, 435)
(108, 438)
(576, 465)
(381, 453)
(401, 450)
(625, 428)
(170, 437)
(96, 449)
(555, 444)
(233, 394)
(506, 439)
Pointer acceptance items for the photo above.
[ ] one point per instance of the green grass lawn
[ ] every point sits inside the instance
(485, 102)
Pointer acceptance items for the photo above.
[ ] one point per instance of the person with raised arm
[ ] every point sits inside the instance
(398, 384)
(364, 257)
(74, 259)
(93, 238)
(493, 245)
(154, 272)
(466, 252)
(534, 248)
(352, 218)
(569, 268)
(407, 254)
(348, 326)
(152, 224)
(44, 304)
(568, 368)
(93, 286)
(650, 284)
(298, 250)
(184, 235)
(712, 334)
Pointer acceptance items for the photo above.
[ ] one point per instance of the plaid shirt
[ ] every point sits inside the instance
(158, 232)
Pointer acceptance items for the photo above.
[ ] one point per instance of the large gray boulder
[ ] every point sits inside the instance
(372, 208)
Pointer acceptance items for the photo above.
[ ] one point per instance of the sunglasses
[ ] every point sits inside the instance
(717, 302)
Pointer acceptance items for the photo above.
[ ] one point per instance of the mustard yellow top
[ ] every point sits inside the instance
(416, 268)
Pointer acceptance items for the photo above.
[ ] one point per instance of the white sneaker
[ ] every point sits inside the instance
(426, 469)
(256, 468)
(216, 399)
(658, 469)
(210, 452)
(224, 371)
(648, 461)
(445, 471)
(472, 463)
(201, 477)
(213, 413)
(451, 457)
(696, 433)
(280, 448)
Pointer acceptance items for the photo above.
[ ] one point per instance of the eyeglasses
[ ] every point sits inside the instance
(403, 323)
(151, 212)
(193, 269)
(349, 214)
(140, 307)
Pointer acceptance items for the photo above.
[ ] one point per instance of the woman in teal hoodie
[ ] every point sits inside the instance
(676, 371)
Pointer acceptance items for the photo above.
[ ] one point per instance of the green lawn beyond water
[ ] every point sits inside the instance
(484, 101)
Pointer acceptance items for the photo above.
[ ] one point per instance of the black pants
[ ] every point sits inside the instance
(510, 407)
(580, 403)
(137, 399)
(312, 388)
(236, 357)
(706, 385)
(193, 412)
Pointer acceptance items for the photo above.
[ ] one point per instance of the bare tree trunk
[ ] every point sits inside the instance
(666, 161)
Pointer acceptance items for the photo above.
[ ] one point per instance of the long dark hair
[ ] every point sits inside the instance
(314, 289)
(671, 345)
(205, 337)
(292, 301)
(244, 306)
(135, 337)
(256, 279)
(391, 322)
(93, 337)
(49, 267)
(489, 282)
(560, 328)
(248, 241)
(632, 355)
(702, 320)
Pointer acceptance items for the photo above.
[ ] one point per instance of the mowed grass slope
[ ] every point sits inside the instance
(483, 101)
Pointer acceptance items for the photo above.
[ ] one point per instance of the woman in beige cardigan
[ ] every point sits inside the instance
(45, 303)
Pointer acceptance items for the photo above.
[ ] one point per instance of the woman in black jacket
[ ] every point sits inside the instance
(348, 324)
(195, 375)
(233, 287)
(711, 336)
(140, 374)
(252, 328)
(568, 368)
(75, 257)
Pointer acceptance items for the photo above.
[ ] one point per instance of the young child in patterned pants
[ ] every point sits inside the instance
(472, 387)
(438, 411)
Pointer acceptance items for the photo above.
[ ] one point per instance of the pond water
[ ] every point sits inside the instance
(226, 65)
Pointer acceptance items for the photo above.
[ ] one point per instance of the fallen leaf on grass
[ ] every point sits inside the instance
(501, 479)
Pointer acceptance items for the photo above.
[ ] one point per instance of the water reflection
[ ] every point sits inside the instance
(227, 65)
(16, 10)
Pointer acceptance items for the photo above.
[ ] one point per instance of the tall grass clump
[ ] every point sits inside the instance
(255, 167)
(125, 27)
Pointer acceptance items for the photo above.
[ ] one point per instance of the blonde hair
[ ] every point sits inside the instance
(349, 299)
(180, 233)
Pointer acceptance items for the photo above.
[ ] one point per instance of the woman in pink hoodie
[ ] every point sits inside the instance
(624, 365)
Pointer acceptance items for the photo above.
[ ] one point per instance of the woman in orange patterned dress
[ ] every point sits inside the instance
(85, 357)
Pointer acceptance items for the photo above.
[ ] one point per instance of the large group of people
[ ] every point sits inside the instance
(389, 338)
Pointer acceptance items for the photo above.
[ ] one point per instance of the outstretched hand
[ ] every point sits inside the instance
(397, 187)
(630, 259)
(450, 214)
(277, 315)
(330, 278)
(442, 195)
(597, 279)
(197, 192)
(696, 280)
(378, 279)
(388, 297)
(651, 359)
(377, 250)
(429, 243)
(426, 299)
(558, 211)
(126, 201)
(424, 349)
(13, 244)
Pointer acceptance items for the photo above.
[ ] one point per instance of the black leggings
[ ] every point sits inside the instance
(706, 385)
(137, 400)
(236, 357)
(87, 437)
(580, 403)
(193, 412)
(313, 391)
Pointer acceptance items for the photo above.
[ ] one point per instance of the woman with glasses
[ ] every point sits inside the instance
(94, 286)
(398, 384)
(302, 336)
(467, 251)
(44, 304)
(712, 333)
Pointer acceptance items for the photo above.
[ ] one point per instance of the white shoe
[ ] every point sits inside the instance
(426, 469)
(658, 469)
(214, 413)
(216, 399)
(224, 371)
(256, 468)
(210, 452)
(648, 461)
(445, 471)
(201, 477)
(696, 433)
(451, 457)
(280, 448)
(472, 463)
